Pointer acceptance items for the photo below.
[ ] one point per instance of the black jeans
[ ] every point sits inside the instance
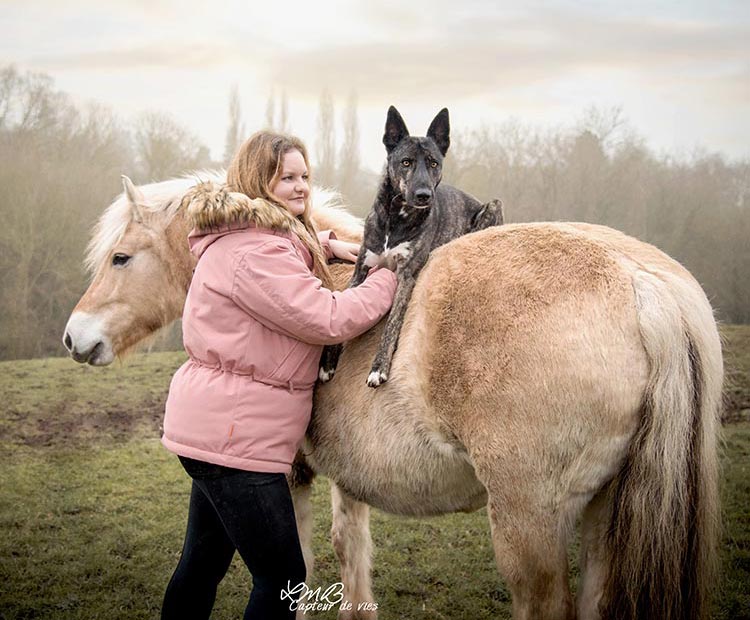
(234, 509)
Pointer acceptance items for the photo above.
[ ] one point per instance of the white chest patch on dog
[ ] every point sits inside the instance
(390, 256)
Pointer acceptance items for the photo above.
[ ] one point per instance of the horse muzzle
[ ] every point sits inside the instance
(85, 341)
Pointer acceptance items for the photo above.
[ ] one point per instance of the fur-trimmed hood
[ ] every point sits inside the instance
(210, 206)
(214, 211)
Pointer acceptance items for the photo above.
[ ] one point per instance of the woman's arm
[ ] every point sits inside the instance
(274, 285)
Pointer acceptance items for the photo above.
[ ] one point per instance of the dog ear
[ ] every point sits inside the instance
(395, 130)
(439, 131)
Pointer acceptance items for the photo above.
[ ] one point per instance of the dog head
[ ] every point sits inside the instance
(415, 164)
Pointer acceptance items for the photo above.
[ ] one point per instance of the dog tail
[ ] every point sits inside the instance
(491, 214)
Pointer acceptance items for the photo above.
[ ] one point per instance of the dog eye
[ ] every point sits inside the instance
(433, 163)
(120, 260)
(406, 163)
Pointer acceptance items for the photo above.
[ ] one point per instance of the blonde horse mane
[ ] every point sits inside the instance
(164, 198)
(330, 212)
(160, 197)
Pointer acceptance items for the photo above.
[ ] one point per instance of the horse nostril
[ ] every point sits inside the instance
(68, 341)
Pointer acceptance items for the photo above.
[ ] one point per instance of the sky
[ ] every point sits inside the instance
(680, 71)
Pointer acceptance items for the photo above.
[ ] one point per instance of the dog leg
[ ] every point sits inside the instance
(382, 364)
(329, 359)
(491, 214)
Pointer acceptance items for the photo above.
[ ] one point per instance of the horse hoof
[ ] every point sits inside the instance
(325, 375)
(376, 378)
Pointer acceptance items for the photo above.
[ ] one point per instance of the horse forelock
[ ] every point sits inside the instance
(159, 198)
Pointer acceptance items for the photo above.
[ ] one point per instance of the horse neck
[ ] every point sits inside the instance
(178, 258)
(341, 274)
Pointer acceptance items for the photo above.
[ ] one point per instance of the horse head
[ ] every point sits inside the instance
(141, 272)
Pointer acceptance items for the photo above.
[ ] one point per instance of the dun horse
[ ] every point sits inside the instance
(547, 371)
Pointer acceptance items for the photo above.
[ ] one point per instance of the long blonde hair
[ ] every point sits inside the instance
(254, 170)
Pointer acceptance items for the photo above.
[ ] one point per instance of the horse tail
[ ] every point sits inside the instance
(665, 507)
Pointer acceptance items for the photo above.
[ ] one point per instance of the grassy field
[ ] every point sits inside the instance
(92, 508)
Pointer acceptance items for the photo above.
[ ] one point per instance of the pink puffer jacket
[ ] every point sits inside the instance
(254, 323)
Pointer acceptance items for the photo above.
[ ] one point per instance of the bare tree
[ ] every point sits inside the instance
(349, 154)
(164, 148)
(270, 108)
(325, 169)
(284, 113)
(236, 129)
(607, 124)
(57, 170)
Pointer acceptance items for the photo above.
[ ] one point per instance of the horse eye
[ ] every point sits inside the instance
(405, 162)
(119, 260)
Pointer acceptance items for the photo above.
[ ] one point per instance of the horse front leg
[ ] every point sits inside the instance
(352, 543)
(300, 485)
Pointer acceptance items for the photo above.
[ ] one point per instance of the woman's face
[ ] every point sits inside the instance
(291, 184)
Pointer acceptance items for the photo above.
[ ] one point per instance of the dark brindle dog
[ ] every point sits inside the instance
(412, 215)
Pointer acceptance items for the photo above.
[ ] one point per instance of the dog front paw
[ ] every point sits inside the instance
(326, 374)
(376, 377)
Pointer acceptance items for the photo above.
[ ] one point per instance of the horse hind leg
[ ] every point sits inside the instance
(530, 546)
(594, 557)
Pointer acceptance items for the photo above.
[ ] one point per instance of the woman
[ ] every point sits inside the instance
(257, 314)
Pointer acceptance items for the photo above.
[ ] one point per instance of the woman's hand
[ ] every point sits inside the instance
(344, 250)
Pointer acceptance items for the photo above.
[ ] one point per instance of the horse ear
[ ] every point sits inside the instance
(134, 197)
(439, 131)
(395, 130)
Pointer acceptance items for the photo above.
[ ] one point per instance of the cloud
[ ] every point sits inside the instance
(467, 55)
(161, 55)
(473, 50)
(538, 61)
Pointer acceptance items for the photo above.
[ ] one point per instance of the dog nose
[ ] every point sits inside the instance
(423, 196)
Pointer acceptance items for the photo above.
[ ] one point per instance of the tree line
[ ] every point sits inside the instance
(695, 208)
(60, 165)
